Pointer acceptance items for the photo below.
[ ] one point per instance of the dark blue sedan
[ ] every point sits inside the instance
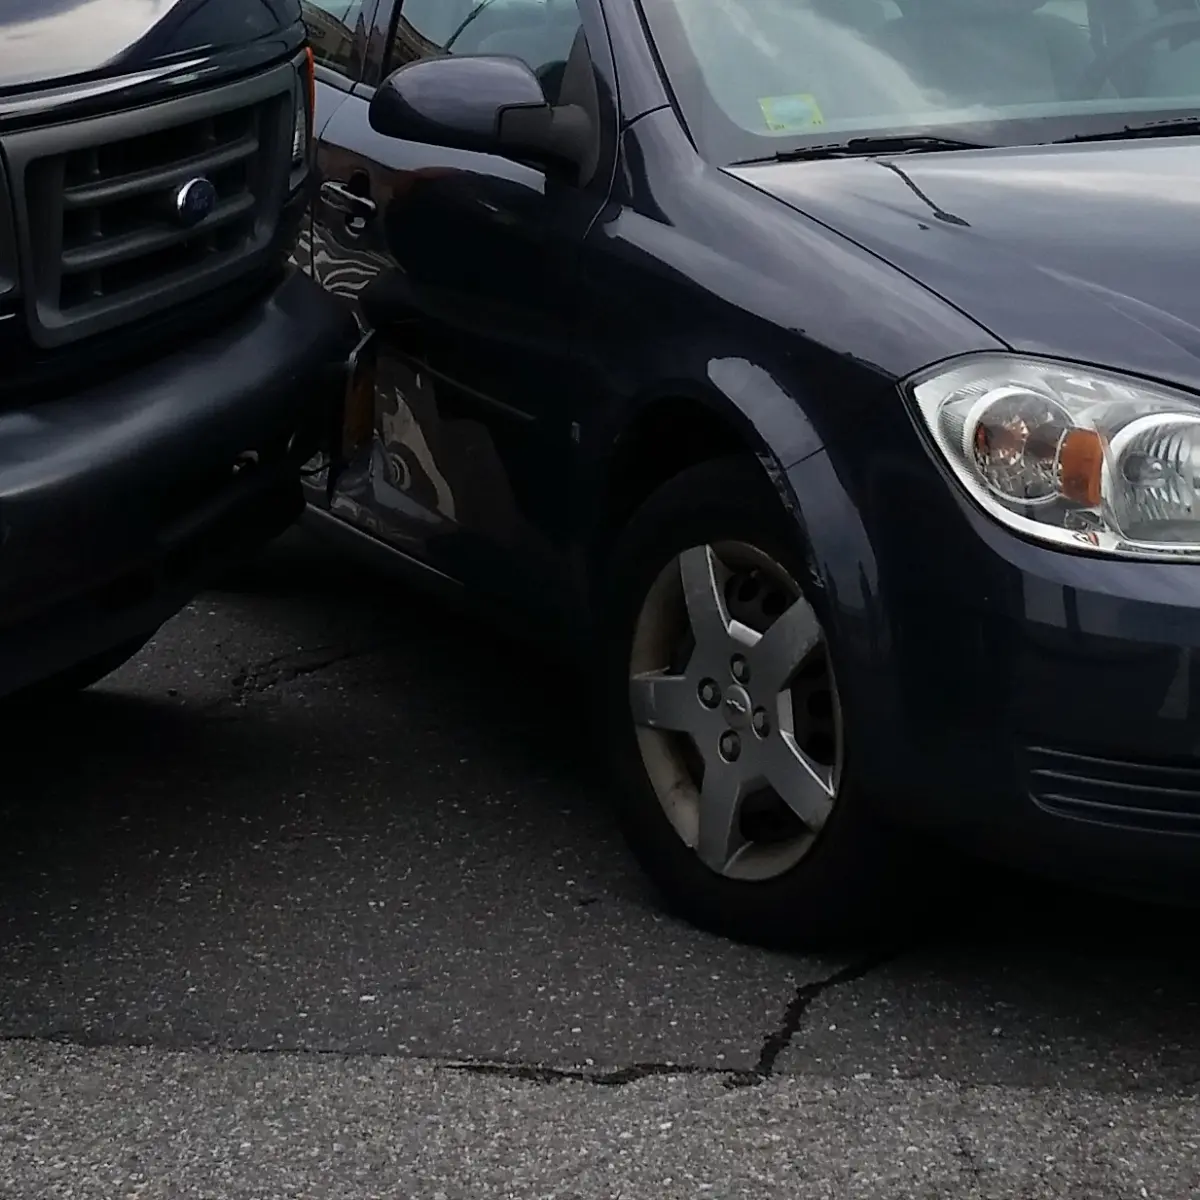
(824, 375)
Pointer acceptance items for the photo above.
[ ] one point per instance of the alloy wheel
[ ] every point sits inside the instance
(736, 708)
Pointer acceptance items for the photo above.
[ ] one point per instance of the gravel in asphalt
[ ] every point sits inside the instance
(319, 897)
(148, 1125)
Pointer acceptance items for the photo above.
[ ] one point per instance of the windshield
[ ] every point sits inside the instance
(756, 77)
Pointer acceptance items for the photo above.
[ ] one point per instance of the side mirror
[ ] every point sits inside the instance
(480, 103)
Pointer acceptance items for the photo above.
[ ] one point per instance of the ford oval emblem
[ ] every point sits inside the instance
(194, 201)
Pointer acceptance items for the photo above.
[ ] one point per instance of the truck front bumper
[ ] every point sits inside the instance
(118, 502)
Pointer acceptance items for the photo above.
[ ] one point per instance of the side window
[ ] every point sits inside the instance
(337, 33)
(539, 32)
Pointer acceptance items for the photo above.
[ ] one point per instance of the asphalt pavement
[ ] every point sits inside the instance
(320, 898)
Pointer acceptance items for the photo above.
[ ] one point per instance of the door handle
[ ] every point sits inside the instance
(341, 198)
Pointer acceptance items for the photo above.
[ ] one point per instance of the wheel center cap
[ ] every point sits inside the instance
(737, 707)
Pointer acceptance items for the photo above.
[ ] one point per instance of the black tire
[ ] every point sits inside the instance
(81, 676)
(839, 889)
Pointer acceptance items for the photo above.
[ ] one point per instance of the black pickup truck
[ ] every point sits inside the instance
(166, 369)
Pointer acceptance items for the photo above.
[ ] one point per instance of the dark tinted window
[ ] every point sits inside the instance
(539, 32)
(337, 32)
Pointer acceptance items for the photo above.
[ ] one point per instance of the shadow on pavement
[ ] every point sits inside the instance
(217, 872)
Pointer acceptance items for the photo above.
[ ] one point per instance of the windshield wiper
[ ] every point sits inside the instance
(864, 147)
(1170, 127)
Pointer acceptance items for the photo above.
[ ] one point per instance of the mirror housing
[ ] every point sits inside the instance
(485, 104)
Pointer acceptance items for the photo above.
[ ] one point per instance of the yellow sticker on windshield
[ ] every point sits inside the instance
(786, 114)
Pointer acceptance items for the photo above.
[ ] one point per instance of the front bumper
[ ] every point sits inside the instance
(118, 502)
(1039, 707)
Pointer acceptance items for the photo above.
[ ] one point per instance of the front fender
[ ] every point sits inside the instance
(767, 408)
(845, 585)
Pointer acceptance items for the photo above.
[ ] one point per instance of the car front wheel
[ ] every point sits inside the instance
(735, 764)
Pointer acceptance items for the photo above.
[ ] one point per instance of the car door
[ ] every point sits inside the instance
(467, 266)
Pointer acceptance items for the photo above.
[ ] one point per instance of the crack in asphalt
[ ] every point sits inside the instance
(966, 1153)
(964, 1148)
(774, 1045)
(523, 1072)
(780, 1038)
(258, 678)
(618, 1077)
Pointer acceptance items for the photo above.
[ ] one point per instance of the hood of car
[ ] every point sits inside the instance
(1089, 251)
(48, 41)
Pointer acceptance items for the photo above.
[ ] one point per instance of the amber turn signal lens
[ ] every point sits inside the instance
(1080, 464)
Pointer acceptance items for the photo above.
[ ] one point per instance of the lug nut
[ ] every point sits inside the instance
(710, 694)
(740, 668)
(731, 746)
(761, 723)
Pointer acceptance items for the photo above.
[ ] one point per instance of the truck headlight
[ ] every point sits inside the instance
(299, 130)
(1070, 455)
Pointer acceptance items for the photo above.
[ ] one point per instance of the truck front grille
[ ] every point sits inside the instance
(97, 203)
(119, 229)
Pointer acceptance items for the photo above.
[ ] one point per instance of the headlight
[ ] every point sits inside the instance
(1071, 455)
(303, 113)
(299, 129)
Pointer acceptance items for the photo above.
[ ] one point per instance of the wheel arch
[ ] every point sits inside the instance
(739, 408)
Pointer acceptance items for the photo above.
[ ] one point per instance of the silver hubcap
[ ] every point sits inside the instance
(736, 708)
